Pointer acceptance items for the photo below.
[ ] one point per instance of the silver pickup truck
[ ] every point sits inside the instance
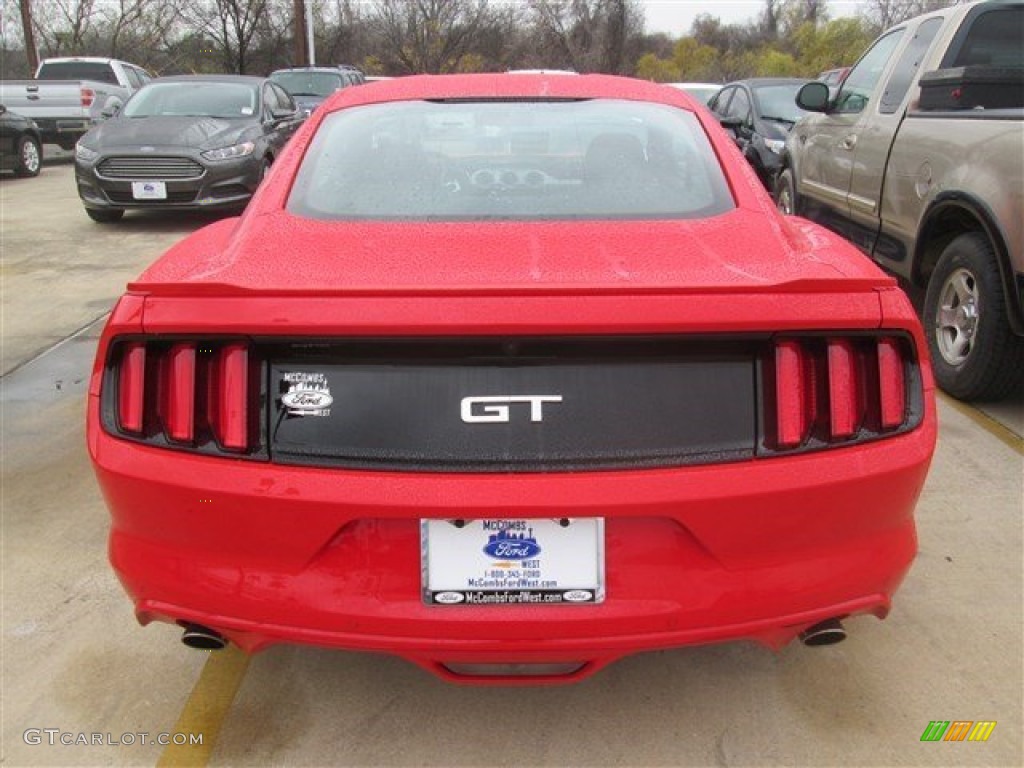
(919, 161)
(70, 95)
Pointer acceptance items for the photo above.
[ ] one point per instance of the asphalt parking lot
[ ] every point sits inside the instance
(76, 664)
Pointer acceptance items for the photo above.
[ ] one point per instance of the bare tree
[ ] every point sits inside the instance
(885, 13)
(136, 28)
(589, 35)
(63, 25)
(232, 25)
(429, 36)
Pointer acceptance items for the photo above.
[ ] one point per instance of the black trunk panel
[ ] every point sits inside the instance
(623, 404)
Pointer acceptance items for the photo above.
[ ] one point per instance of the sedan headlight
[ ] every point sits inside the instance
(229, 153)
(775, 145)
(85, 154)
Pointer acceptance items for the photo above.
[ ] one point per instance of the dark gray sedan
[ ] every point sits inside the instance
(192, 142)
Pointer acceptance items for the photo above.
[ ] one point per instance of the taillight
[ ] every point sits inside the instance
(844, 394)
(178, 385)
(131, 388)
(229, 412)
(892, 381)
(187, 394)
(88, 96)
(792, 387)
(823, 391)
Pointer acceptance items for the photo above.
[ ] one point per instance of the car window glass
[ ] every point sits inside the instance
(861, 82)
(284, 100)
(906, 68)
(995, 38)
(739, 106)
(133, 77)
(194, 99)
(270, 102)
(522, 160)
(721, 101)
(77, 70)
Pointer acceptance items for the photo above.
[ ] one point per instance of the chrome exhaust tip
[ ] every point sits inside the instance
(828, 632)
(202, 638)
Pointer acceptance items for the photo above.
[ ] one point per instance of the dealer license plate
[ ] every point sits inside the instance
(149, 190)
(513, 562)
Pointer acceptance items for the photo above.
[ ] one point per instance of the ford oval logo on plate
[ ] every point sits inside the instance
(578, 595)
(306, 400)
(508, 545)
(449, 598)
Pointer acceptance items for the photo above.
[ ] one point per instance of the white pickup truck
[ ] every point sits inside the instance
(918, 159)
(70, 95)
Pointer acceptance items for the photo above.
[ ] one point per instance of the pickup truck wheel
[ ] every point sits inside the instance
(104, 215)
(785, 193)
(30, 157)
(975, 354)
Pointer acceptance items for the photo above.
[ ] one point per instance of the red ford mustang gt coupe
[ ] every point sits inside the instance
(511, 375)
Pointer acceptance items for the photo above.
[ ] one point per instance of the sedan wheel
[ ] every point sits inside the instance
(30, 157)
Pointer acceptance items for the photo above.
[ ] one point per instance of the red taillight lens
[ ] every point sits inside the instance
(844, 394)
(793, 394)
(88, 95)
(892, 384)
(229, 403)
(178, 401)
(131, 388)
(192, 394)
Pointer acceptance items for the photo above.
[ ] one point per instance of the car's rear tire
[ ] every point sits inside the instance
(785, 193)
(105, 215)
(975, 354)
(30, 157)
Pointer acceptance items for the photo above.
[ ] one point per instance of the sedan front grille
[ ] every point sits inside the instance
(150, 168)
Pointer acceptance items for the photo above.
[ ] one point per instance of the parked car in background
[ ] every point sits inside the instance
(919, 161)
(760, 113)
(309, 86)
(704, 92)
(190, 142)
(512, 376)
(21, 147)
(70, 95)
(834, 77)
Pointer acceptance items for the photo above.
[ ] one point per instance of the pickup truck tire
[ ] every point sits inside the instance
(30, 157)
(785, 193)
(975, 354)
(104, 215)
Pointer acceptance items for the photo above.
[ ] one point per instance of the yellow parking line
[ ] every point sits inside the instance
(207, 707)
(986, 422)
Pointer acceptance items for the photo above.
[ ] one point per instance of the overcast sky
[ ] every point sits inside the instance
(674, 17)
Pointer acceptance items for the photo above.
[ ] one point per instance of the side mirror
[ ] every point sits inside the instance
(110, 110)
(282, 113)
(3, 109)
(813, 97)
(730, 122)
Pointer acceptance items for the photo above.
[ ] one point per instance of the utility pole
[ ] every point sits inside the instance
(298, 32)
(30, 36)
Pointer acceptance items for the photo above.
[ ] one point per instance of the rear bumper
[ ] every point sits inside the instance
(758, 549)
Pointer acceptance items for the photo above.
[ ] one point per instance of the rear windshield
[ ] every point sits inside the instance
(308, 83)
(77, 70)
(497, 160)
(194, 99)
